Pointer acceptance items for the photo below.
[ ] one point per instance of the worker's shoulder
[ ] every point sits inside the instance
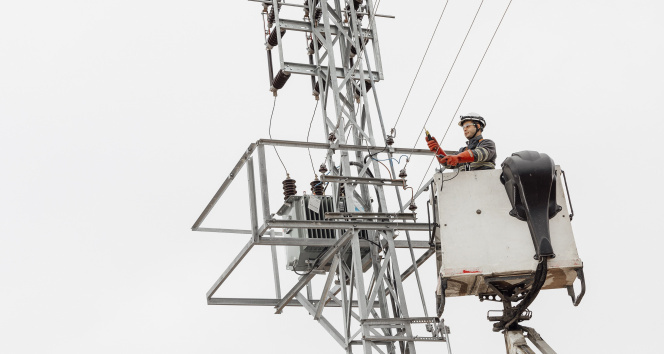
(485, 142)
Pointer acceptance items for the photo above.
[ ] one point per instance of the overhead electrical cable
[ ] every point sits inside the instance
(476, 70)
(269, 132)
(468, 88)
(420, 67)
(446, 78)
(309, 132)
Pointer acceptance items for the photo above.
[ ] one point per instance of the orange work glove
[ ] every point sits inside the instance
(453, 160)
(432, 143)
(441, 158)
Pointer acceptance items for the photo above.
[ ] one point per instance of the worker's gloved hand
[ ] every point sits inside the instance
(432, 143)
(453, 160)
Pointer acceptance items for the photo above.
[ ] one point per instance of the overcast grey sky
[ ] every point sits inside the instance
(120, 119)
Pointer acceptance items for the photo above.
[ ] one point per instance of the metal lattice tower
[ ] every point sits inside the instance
(345, 65)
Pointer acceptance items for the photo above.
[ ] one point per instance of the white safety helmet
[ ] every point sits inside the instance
(474, 117)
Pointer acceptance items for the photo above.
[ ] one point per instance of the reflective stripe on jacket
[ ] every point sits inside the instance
(484, 151)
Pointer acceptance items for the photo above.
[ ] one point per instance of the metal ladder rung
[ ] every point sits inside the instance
(398, 321)
(407, 339)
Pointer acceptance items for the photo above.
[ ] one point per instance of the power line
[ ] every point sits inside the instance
(476, 70)
(269, 132)
(448, 76)
(471, 82)
(309, 132)
(420, 67)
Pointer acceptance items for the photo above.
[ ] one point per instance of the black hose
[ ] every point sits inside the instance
(540, 279)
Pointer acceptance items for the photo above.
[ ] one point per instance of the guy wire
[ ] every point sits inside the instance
(269, 131)
(309, 132)
(420, 67)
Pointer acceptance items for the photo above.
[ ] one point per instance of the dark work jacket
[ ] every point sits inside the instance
(484, 151)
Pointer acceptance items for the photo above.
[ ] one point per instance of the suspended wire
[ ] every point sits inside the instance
(477, 69)
(309, 132)
(269, 131)
(447, 77)
(388, 170)
(420, 67)
(350, 129)
(393, 159)
(468, 88)
(426, 173)
(372, 16)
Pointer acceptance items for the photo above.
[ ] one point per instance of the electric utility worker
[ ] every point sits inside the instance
(478, 154)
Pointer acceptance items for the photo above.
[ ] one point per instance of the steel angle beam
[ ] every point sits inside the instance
(323, 260)
(324, 322)
(325, 43)
(347, 147)
(302, 26)
(379, 275)
(326, 287)
(231, 268)
(252, 198)
(310, 69)
(228, 301)
(342, 225)
(381, 216)
(224, 186)
(399, 321)
(229, 231)
(293, 241)
(407, 339)
(419, 262)
(269, 2)
(352, 313)
(363, 180)
(288, 241)
(414, 244)
(265, 202)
